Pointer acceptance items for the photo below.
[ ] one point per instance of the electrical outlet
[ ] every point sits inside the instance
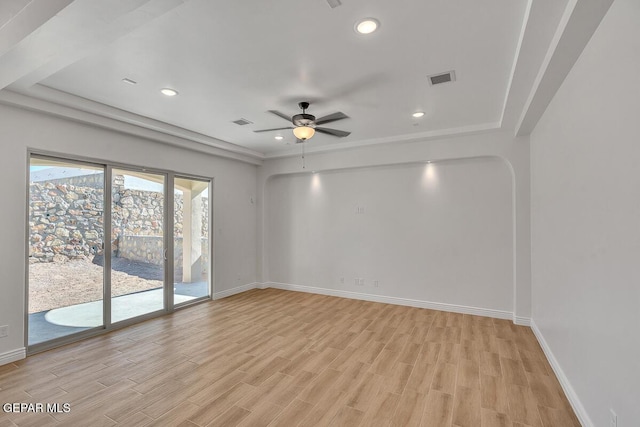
(361, 282)
(4, 331)
(613, 419)
(375, 283)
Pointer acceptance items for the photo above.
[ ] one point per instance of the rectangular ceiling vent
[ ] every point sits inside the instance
(242, 122)
(334, 3)
(436, 79)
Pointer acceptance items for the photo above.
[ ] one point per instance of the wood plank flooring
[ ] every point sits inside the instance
(278, 358)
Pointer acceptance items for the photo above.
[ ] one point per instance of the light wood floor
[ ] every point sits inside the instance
(278, 358)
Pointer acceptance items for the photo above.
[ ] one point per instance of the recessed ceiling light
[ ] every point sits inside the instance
(169, 92)
(367, 26)
(279, 137)
(418, 114)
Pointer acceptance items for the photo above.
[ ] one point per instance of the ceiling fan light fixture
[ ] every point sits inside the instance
(304, 132)
(367, 26)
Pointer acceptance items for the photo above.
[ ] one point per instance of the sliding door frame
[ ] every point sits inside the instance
(168, 244)
(210, 281)
(168, 237)
(165, 214)
(106, 245)
(56, 342)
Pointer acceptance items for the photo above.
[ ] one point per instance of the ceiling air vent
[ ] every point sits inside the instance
(334, 3)
(242, 122)
(436, 79)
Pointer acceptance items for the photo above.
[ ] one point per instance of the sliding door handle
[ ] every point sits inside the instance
(165, 253)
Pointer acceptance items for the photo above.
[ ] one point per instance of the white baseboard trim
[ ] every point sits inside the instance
(522, 321)
(13, 355)
(236, 290)
(499, 314)
(581, 413)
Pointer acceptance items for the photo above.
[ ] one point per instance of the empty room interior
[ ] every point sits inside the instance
(320, 212)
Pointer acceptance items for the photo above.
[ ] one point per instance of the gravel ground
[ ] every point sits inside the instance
(54, 285)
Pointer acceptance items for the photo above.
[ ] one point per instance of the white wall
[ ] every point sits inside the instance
(439, 232)
(495, 164)
(586, 222)
(233, 213)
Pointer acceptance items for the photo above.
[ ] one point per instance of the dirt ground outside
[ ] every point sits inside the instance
(54, 285)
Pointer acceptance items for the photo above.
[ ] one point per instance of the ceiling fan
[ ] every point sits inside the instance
(306, 125)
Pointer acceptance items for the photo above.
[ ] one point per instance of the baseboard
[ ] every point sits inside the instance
(13, 355)
(499, 314)
(236, 290)
(581, 413)
(522, 321)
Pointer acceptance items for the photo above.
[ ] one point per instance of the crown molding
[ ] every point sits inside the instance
(414, 137)
(59, 104)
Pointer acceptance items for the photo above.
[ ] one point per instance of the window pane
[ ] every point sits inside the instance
(137, 244)
(191, 240)
(66, 235)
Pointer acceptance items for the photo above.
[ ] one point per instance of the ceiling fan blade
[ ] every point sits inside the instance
(331, 118)
(333, 132)
(281, 115)
(269, 130)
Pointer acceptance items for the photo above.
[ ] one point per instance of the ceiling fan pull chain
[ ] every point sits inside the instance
(303, 162)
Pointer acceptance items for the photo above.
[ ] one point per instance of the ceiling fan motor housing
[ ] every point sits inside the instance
(304, 120)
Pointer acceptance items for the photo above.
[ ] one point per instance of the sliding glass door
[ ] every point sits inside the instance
(100, 238)
(138, 255)
(65, 239)
(191, 269)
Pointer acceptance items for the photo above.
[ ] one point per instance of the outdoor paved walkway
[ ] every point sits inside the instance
(59, 322)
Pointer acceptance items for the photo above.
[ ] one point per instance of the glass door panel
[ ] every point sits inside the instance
(191, 269)
(66, 236)
(137, 244)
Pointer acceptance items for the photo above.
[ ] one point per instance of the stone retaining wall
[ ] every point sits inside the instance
(93, 180)
(149, 249)
(66, 220)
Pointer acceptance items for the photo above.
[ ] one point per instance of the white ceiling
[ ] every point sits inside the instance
(232, 59)
(10, 10)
